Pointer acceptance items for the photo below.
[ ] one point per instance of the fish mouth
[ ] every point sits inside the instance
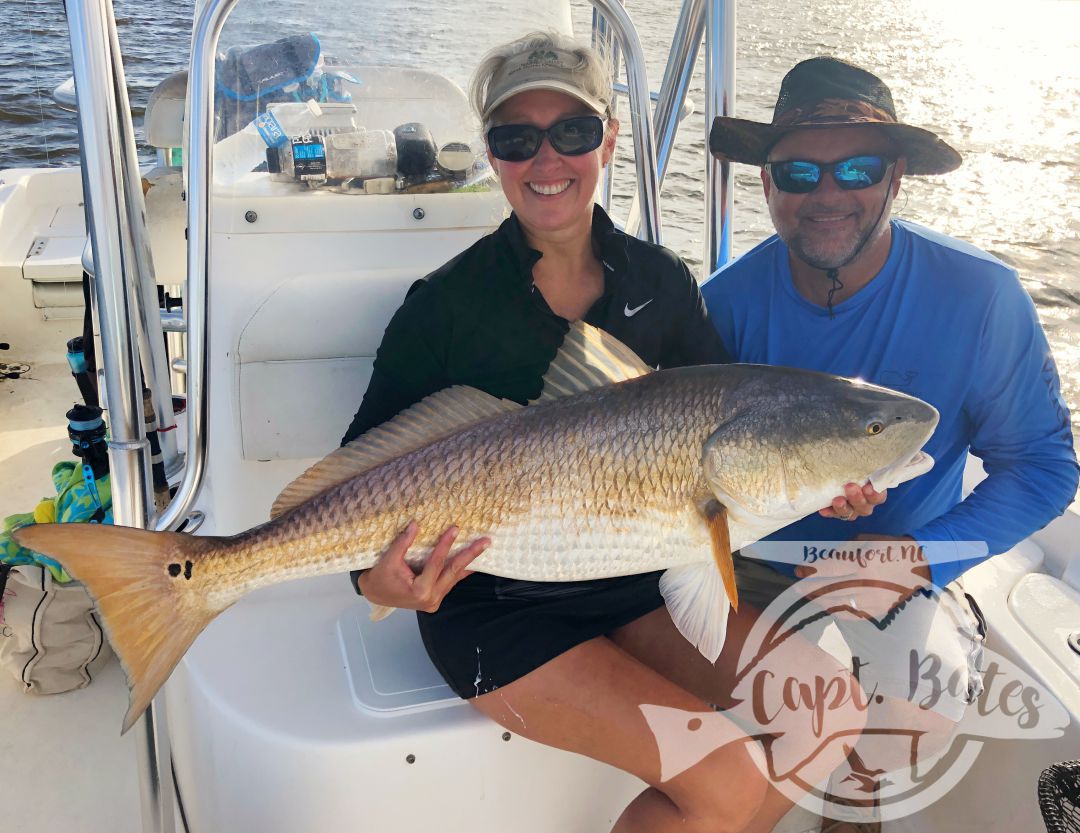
(892, 475)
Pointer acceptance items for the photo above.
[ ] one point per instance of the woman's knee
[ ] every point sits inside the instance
(722, 793)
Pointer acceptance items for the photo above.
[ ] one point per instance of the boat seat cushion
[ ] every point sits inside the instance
(306, 358)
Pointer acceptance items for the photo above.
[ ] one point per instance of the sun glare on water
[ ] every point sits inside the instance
(1005, 79)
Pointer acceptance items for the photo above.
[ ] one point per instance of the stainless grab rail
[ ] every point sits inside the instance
(685, 112)
(136, 242)
(199, 158)
(603, 40)
(173, 322)
(719, 101)
(109, 166)
(671, 101)
(104, 191)
(641, 122)
(685, 43)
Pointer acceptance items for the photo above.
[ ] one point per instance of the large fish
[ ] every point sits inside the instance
(615, 470)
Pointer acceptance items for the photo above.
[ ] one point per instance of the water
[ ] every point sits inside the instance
(999, 85)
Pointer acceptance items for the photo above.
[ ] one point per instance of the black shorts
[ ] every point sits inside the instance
(490, 631)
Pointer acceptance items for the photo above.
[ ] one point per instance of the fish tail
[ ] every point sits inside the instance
(148, 611)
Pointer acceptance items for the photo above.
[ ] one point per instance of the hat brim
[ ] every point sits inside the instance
(742, 140)
(546, 84)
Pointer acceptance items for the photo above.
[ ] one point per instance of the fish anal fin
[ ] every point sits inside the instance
(589, 358)
(716, 519)
(150, 615)
(432, 418)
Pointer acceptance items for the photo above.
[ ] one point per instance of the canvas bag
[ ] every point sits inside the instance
(50, 637)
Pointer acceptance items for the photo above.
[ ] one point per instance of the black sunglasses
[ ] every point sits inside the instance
(570, 137)
(798, 176)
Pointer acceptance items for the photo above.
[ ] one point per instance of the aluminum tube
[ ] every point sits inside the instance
(144, 286)
(719, 101)
(670, 104)
(640, 116)
(176, 344)
(154, 759)
(147, 295)
(172, 322)
(603, 40)
(685, 44)
(199, 161)
(101, 131)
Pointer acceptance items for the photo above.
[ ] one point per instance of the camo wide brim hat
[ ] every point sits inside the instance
(824, 93)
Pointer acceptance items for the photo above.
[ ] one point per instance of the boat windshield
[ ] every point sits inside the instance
(362, 98)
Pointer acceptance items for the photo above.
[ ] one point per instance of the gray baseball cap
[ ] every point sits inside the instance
(541, 69)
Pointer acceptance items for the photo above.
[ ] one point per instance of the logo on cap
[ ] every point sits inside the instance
(539, 58)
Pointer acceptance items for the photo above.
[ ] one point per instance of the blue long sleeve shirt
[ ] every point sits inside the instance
(952, 325)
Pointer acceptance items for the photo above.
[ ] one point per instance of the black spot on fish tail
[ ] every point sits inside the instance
(187, 569)
(174, 570)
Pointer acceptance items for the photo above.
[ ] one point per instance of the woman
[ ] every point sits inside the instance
(566, 664)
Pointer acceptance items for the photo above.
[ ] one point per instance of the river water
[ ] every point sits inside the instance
(998, 81)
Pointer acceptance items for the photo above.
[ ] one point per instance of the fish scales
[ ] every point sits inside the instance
(573, 486)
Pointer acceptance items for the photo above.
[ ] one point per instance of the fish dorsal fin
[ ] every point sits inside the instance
(589, 358)
(432, 418)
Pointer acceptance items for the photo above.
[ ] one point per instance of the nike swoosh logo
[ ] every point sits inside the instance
(630, 313)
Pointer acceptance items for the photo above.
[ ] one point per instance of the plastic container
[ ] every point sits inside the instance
(362, 154)
(239, 154)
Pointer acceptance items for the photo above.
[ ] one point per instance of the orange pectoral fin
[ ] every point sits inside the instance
(716, 519)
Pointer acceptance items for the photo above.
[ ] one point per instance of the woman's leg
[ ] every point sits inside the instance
(654, 640)
(588, 700)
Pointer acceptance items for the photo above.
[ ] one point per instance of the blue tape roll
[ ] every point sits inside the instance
(77, 362)
(89, 425)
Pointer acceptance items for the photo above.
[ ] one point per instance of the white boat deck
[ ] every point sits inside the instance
(66, 769)
(33, 431)
(63, 763)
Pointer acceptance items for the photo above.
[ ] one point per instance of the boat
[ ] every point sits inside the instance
(255, 292)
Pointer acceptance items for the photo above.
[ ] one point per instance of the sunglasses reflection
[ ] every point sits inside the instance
(800, 176)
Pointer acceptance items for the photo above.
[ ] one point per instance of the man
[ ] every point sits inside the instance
(845, 289)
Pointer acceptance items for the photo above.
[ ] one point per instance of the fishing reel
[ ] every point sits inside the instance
(86, 430)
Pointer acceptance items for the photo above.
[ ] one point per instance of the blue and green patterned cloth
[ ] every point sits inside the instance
(80, 498)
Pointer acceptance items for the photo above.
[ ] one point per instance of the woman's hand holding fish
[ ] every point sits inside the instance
(854, 503)
(392, 582)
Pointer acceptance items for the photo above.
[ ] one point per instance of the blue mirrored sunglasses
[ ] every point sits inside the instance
(798, 176)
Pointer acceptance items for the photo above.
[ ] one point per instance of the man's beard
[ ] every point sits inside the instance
(822, 255)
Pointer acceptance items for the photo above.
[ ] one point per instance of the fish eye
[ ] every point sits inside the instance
(874, 428)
